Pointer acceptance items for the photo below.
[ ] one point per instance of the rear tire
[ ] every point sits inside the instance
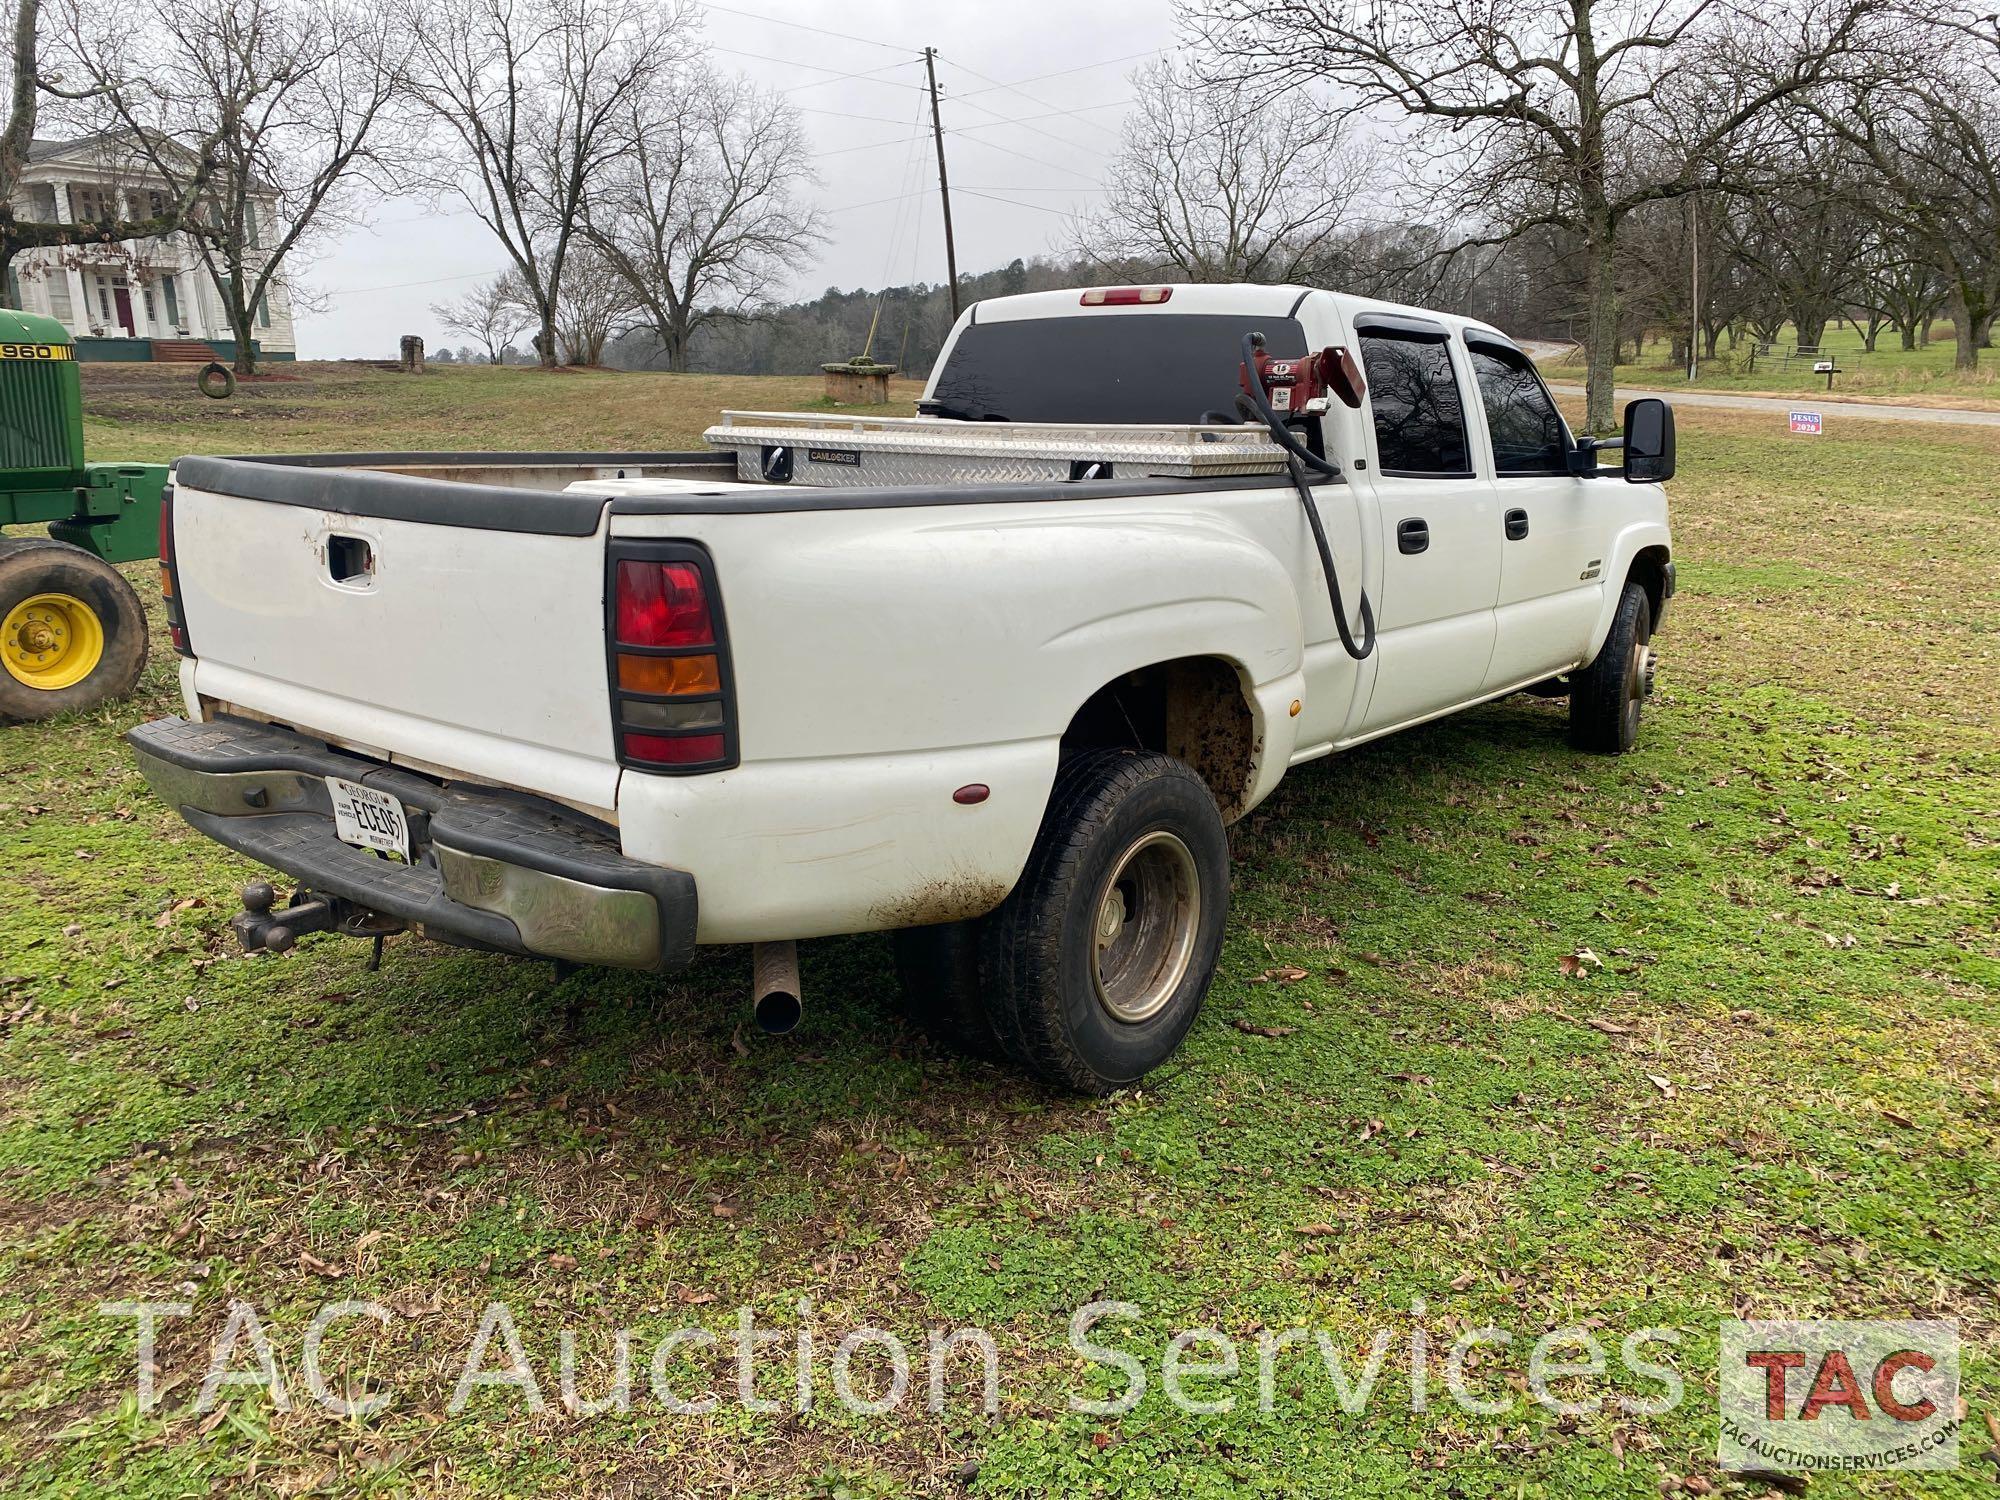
(1097, 963)
(938, 970)
(1607, 696)
(72, 632)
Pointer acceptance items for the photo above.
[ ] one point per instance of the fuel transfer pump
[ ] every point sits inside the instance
(1280, 392)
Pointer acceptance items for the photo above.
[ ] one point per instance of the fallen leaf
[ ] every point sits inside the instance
(1250, 1028)
(310, 1262)
(1317, 1231)
(1283, 974)
(1609, 1028)
(1664, 1085)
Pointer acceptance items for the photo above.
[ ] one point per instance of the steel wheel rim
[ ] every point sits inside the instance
(51, 641)
(1143, 927)
(1635, 681)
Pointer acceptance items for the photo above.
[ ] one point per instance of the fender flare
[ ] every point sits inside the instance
(1625, 549)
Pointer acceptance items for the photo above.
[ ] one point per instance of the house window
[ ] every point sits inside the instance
(151, 316)
(172, 294)
(250, 226)
(263, 312)
(104, 299)
(14, 289)
(1419, 416)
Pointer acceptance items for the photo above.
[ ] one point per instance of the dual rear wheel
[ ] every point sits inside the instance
(1091, 972)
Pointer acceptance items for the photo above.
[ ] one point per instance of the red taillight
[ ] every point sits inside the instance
(1125, 296)
(669, 660)
(675, 750)
(170, 592)
(662, 604)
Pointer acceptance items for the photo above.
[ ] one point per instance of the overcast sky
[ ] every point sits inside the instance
(380, 281)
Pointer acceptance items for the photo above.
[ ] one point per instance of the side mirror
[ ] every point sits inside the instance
(1649, 441)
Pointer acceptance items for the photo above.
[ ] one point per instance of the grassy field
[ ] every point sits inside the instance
(1919, 377)
(1503, 1035)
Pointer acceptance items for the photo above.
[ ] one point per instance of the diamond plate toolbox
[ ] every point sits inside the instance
(789, 447)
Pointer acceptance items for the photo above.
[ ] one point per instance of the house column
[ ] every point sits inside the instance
(79, 298)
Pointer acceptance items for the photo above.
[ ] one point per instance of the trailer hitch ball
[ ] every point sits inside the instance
(258, 896)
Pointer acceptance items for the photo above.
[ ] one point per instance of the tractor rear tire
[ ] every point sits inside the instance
(72, 632)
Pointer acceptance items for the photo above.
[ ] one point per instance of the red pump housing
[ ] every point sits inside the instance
(1291, 383)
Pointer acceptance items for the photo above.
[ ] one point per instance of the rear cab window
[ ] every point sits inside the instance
(1117, 367)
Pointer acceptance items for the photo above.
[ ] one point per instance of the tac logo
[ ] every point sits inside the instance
(1839, 1396)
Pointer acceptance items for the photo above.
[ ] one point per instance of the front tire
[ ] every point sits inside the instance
(72, 632)
(1097, 963)
(1607, 696)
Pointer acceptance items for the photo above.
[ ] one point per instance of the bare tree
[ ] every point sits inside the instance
(527, 98)
(1931, 137)
(594, 300)
(260, 113)
(701, 217)
(492, 313)
(1545, 112)
(28, 82)
(1211, 187)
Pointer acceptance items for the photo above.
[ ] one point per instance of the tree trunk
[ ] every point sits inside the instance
(545, 341)
(1809, 330)
(1965, 332)
(241, 325)
(1908, 334)
(1927, 331)
(1601, 331)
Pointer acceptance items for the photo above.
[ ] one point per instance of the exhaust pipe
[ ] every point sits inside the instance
(774, 988)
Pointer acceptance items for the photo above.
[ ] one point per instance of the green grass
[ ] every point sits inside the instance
(1923, 376)
(1791, 887)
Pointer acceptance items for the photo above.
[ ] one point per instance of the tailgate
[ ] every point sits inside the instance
(445, 625)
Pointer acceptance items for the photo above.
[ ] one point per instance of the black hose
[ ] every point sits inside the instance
(1300, 454)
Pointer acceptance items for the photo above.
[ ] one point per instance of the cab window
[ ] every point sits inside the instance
(1419, 416)
(1528, 434)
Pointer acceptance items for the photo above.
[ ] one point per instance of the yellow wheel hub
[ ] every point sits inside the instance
(51, 641)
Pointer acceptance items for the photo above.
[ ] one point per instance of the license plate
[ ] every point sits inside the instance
(367, 818)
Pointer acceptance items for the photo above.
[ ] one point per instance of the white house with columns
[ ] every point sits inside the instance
(139, 299)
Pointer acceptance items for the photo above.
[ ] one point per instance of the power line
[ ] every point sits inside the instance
(787, 62)
(868, 146)
(865, 75)
(1065, 72)
(845, 36)
(997, 147)
(807, 109)
(1010, 120)
(875, 202)
(1038, 208)
(1016, 89)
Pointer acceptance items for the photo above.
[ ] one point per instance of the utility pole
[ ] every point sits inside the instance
(944, 182)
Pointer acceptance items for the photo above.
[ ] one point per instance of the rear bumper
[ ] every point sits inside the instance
(492, 869)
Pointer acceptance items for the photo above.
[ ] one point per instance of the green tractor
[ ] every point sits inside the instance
(72, 633)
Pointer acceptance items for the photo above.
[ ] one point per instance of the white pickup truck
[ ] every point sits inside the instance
(994, 678)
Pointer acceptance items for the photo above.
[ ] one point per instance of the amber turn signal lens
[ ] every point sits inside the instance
(668, 674)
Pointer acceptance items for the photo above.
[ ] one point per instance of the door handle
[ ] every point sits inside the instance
(1413, 535)
(1517, 524)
